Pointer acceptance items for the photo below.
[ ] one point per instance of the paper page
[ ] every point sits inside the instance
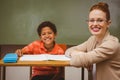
(33, 58)
(58, 57)
(42, 57)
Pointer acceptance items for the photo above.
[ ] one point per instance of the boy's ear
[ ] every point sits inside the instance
(56, 34)
(39, 36)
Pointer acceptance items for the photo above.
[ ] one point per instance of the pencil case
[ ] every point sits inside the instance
(10, 58)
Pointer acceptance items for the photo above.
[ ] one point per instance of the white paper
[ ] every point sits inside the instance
(43, 57)
(58, 57)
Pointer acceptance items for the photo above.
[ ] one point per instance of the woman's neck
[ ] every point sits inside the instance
(100, 38)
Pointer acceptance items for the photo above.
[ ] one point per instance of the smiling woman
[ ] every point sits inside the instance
(101, 49)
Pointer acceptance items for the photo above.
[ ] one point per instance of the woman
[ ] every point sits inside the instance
(101, 48)
(46, 45)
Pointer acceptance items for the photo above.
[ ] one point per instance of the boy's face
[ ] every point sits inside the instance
(47, 35)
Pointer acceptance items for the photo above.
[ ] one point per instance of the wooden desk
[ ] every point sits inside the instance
(36, 63)
(39, 63)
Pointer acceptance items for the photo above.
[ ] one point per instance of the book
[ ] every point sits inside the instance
(42, 57)
(10, 58)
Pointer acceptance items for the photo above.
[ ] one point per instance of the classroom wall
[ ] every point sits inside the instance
(19, 19)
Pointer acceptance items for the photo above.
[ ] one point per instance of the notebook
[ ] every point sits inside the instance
(10, 58)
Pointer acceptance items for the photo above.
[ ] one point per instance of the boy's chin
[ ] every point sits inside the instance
(48, 43)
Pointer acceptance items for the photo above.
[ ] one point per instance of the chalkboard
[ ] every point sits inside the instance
(19, 19)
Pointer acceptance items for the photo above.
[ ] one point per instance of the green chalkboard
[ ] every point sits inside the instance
(19, 19)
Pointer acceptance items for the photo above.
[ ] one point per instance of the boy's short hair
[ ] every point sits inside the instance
(46, 24)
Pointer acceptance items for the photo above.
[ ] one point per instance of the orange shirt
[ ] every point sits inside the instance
(37, 47)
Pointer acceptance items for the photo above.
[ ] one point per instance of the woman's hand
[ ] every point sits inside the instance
(19, 52)
(68, 53)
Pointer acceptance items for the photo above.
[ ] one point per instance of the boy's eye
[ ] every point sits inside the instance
(43, 34)
(49, 32)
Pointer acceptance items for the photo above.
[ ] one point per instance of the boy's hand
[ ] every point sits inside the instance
(19, 52)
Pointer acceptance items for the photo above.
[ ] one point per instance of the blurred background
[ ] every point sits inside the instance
(19, 19)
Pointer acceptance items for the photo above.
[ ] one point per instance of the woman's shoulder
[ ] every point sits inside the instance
(111, 42)
(111, 39)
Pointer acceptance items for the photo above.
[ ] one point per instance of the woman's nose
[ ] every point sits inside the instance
(95, 23)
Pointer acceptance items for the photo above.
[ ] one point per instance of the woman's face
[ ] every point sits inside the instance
(47, 35)
(98, 23)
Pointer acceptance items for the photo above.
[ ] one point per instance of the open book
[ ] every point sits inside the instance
(42, 57)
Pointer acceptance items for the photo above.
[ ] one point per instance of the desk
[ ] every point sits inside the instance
(36, 63)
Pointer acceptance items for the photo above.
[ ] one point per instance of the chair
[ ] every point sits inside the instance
(63, 46)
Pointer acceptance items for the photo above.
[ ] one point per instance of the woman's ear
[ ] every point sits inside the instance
(109, 23)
